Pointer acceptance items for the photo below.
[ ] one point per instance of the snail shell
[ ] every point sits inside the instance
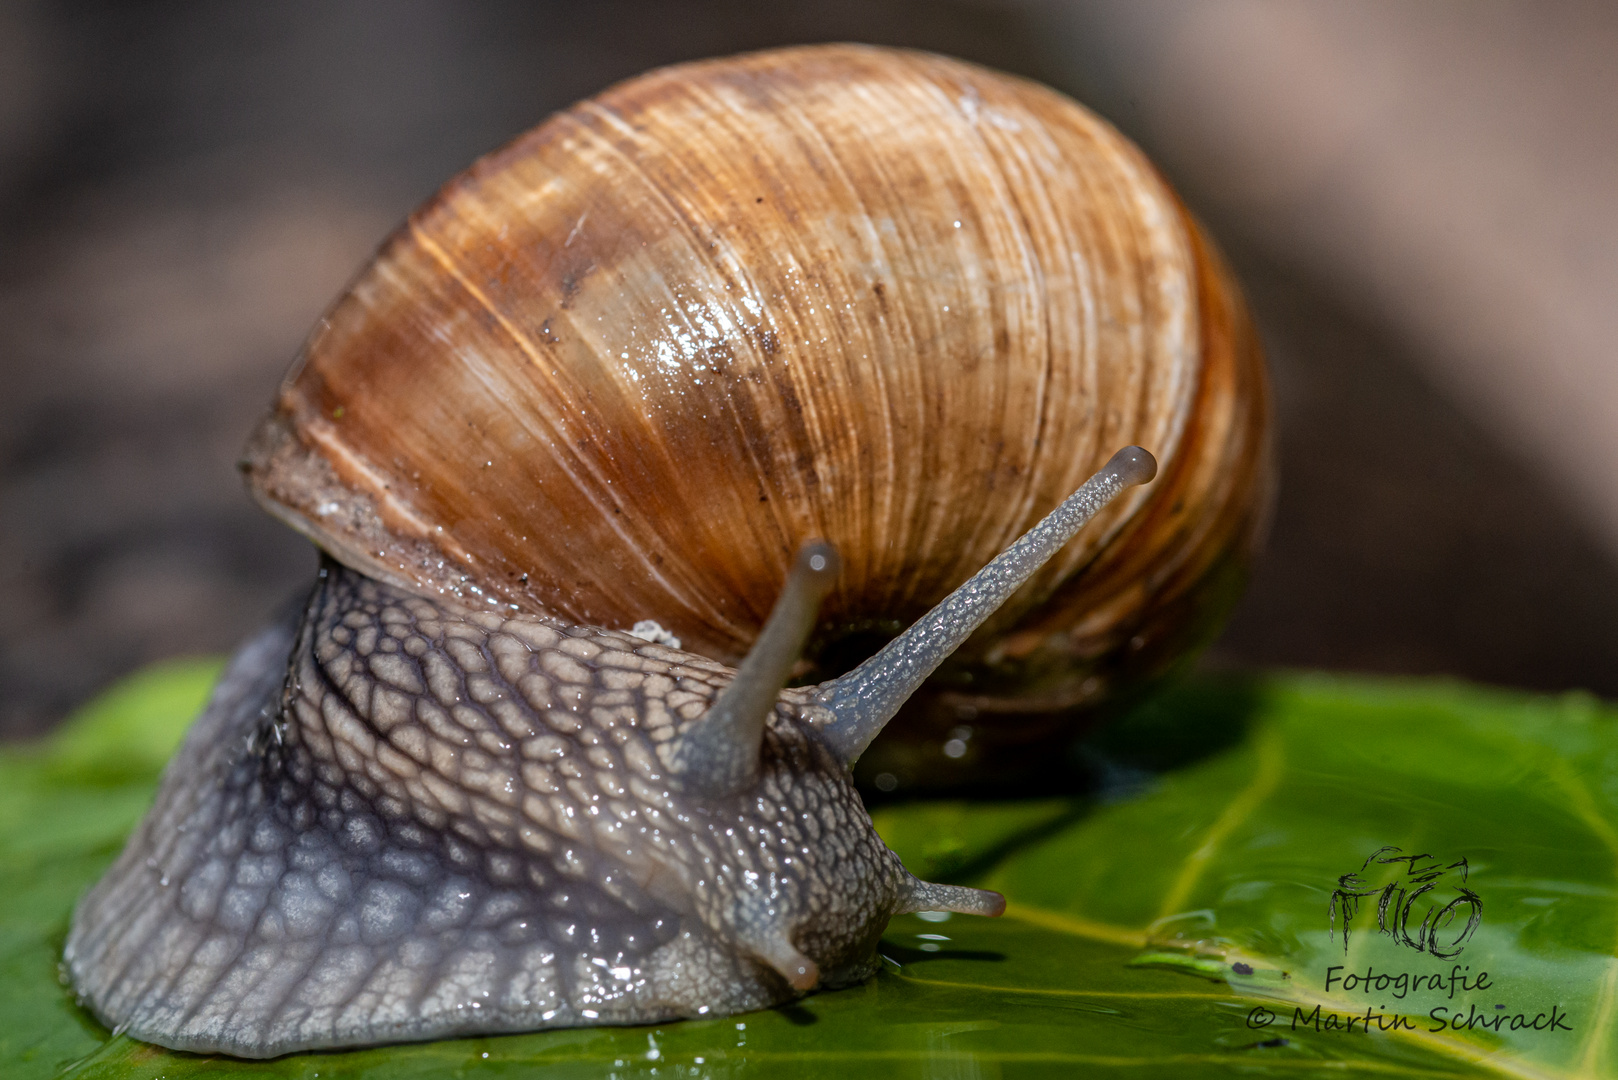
(622, 370)
(619, 369)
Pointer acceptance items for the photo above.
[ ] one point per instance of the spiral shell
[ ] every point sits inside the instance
(621, 368)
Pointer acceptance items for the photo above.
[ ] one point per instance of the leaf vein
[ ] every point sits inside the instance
(1266, 777)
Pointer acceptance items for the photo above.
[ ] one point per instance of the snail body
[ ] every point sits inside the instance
(622, 370)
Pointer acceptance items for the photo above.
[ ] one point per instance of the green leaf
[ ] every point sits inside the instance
(128, 733)
(1153, 921)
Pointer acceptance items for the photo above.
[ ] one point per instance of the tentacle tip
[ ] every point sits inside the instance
(994, 904)
(819, 564)
(800, 972)
(804, 976)
(1133, 465)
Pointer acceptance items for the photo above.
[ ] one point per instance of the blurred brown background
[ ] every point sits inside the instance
(1420, 198)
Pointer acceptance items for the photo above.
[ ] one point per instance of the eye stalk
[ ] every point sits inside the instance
(865, 699)
(718, 755)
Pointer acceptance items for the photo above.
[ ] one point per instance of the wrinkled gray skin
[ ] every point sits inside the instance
(434, 822)
(406, 820)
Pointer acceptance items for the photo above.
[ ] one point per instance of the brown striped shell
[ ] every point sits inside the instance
(620, 369)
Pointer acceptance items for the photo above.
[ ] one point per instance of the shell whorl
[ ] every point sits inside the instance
(620, 368)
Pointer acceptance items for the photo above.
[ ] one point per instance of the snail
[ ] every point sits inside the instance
(739, 359)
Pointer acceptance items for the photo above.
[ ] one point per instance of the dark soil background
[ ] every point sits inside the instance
(184, 186)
